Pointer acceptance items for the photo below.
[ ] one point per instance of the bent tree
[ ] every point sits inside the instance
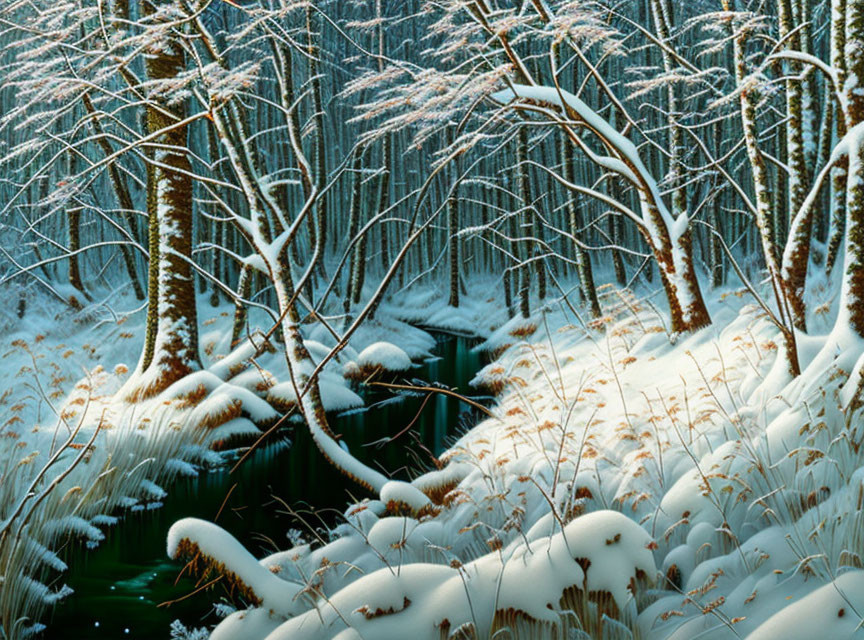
(668, 237)
(843, 346)
(473, 35)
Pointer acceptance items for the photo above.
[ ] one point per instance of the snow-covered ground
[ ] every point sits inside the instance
(76, 454)
(656, 488)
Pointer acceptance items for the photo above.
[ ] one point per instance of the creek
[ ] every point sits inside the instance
(119, 586)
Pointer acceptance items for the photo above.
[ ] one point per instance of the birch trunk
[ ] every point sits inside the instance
(852, 297)
(749, 99)
(840, 173)
(794, 278)
(354, 224)
(663, 21)
(313, 52)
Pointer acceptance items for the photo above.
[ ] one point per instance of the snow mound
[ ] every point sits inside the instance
(405, 495)
(599, 553)
(210, 545)
(385, 355)
(831, 611)
(335, 395)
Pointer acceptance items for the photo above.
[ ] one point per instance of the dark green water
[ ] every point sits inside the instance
(119, 585)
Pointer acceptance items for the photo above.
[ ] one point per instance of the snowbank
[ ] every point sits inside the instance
(613, 461)
(63, 432)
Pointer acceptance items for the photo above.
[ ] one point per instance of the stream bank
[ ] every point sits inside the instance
(119, 586)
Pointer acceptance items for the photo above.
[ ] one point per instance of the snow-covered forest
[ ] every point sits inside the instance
(445, 319)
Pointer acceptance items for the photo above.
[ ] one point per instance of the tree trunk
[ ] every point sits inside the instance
(674, 257)
(616, 232)
(124, 199)
(661, 11)
(215, 228)
(583, 260)
(840, 173)
(73, 219)
(152, 322)
(715, 246)
(669, 237)
(244, 288)
(313, 52)
(386, 149)
(616, 228)
(795, 279)
(172, 344)
(354, 224)
(521, 252)
(749, 99)
(810, 89)
(507, 280)
(852, 296)
(300, 365)
(453, 245)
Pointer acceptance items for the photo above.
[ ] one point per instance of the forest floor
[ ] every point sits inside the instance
(65, 423)
(741, 496)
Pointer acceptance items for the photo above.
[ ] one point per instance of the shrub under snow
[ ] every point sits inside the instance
(377, 357)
